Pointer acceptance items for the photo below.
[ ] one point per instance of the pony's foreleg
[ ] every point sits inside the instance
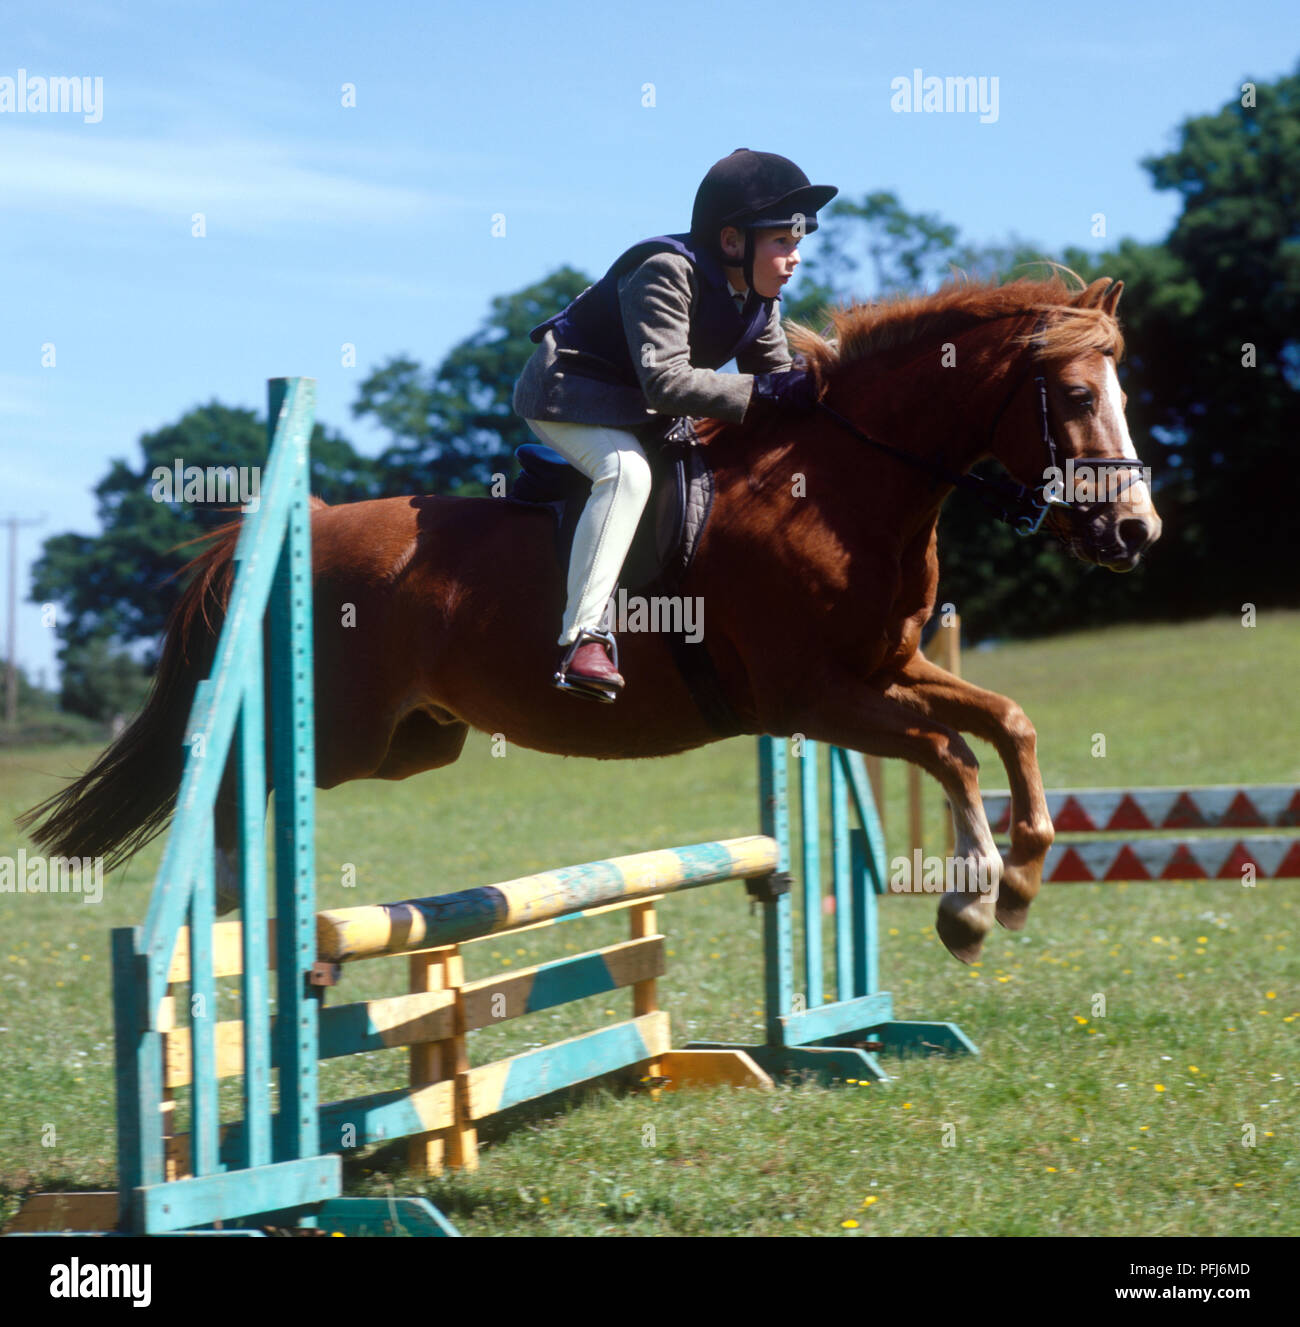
(878, 725)
(927, 689)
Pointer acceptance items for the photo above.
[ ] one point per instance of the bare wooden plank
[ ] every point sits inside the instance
(65, 1211)
(227, 951)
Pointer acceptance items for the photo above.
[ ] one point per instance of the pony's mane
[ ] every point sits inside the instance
(1074, 322)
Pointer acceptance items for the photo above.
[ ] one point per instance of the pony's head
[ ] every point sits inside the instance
(1042, 358)
(1064, 428)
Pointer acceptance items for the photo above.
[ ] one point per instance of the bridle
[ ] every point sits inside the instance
(1021, 506)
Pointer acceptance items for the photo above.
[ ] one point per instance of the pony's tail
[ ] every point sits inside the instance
(126, 797)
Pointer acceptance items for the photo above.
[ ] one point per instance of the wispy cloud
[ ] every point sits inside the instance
(240, 184)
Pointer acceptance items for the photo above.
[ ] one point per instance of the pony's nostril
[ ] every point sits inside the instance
(1134, 535)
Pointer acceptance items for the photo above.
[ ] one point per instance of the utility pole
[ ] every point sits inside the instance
(11, 669)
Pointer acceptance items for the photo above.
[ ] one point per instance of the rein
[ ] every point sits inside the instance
(1021, 506)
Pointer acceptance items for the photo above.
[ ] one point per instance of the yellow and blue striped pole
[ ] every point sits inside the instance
(372, 931)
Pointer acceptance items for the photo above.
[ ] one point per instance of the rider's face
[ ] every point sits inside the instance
(776, 255)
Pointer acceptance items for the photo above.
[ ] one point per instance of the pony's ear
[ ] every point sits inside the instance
(1110, 302)
(1092, 296)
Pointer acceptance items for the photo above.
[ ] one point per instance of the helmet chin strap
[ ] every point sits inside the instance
(746, 261)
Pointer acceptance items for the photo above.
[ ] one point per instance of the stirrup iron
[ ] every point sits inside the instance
(588, 635)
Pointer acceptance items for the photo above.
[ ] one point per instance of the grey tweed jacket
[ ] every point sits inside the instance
(658, 300)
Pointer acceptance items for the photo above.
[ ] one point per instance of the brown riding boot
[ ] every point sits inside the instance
(589, 667)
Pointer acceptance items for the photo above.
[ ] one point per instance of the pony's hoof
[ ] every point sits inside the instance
(963, 941)
(1013, 916)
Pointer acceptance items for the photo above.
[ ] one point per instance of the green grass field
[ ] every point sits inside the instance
(1070, 1122)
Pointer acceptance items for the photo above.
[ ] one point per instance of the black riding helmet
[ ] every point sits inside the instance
(751, 191)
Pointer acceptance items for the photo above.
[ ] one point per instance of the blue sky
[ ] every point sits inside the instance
(372, 225)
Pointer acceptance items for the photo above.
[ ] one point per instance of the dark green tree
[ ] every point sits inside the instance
(1211, 319)
(1222, 345)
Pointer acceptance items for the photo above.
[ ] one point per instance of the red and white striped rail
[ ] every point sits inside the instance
(1159, 813)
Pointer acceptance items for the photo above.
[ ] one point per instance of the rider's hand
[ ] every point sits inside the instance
(795, 390)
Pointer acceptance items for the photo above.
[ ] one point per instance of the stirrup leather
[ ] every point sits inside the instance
(562, 680)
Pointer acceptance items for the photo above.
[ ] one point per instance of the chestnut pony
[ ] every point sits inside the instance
(815, 575)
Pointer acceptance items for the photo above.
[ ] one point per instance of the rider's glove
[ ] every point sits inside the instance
(796, 390)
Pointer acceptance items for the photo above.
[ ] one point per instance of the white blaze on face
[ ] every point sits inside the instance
(1137, 495)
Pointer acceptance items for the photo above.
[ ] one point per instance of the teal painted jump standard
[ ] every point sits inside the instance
(778, 934)
(198, 1200)
(203, 1010)
(138, 1072)
(866, 977)
(296, 1130)
(864, 803)
(841, 865)
(842, 1018)
(810, 824)
(208, 739)
(389, 1215)
(831, 1040)
(250, 737)
(271, 593)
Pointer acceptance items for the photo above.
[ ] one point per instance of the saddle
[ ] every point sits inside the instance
(669, 532)
(681, 497)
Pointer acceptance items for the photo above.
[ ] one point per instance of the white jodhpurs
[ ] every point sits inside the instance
(620, 485)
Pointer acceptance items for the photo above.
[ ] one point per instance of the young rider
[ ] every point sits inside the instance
(645, 342)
